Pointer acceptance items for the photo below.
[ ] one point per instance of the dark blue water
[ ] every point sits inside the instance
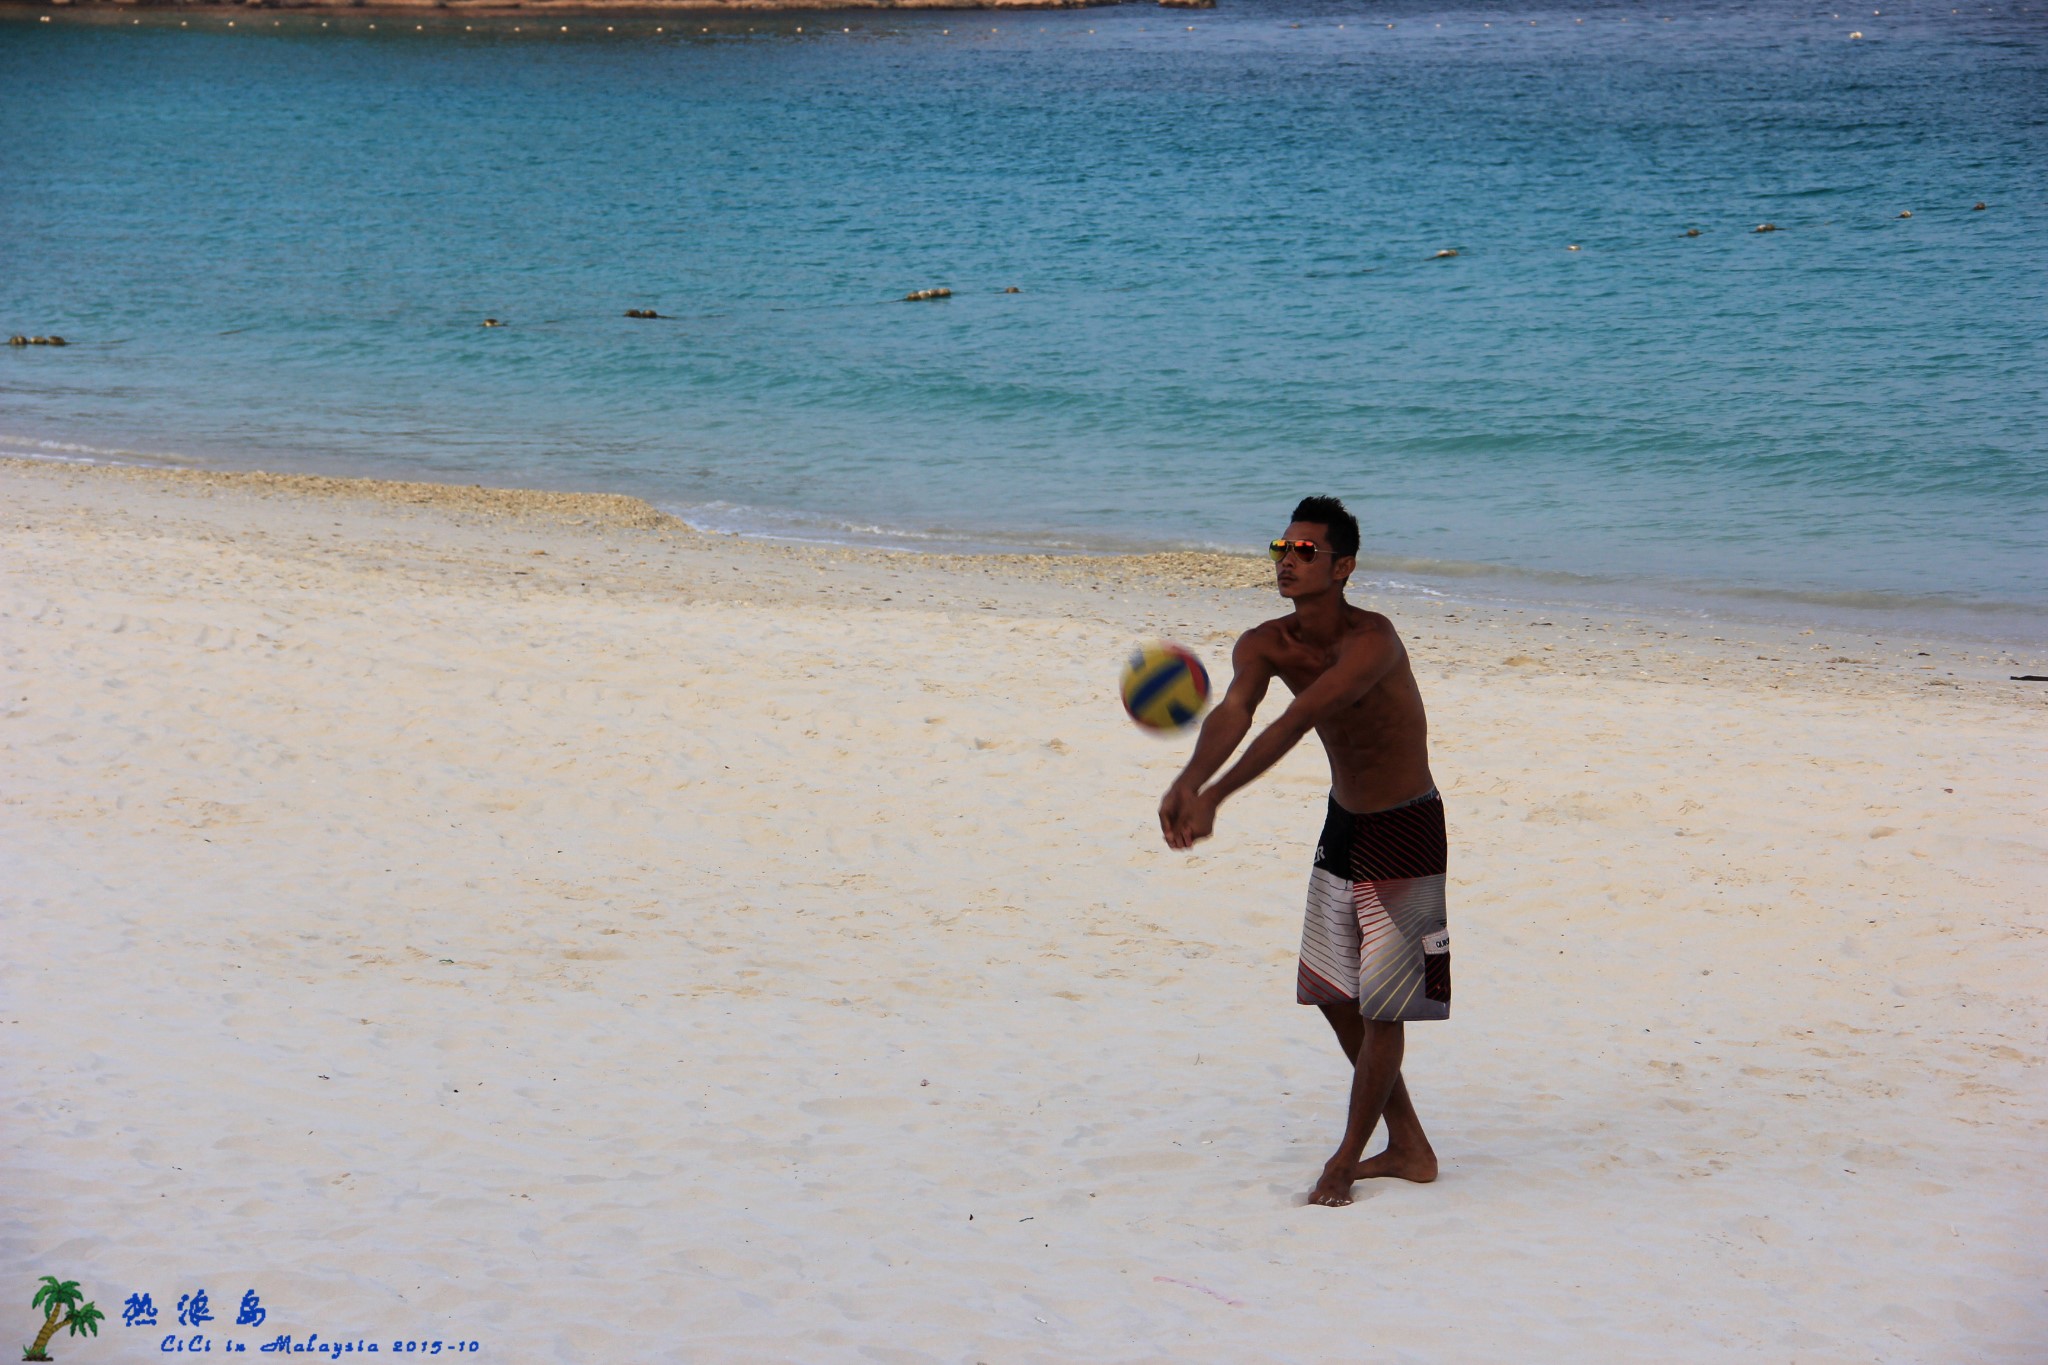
(272, 245)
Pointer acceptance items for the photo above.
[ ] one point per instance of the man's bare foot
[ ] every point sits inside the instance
(1334, 1189)
(1419, 1167)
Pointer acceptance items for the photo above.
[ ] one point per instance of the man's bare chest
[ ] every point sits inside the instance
(1298, 666)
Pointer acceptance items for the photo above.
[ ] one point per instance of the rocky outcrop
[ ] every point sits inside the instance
(531, 8)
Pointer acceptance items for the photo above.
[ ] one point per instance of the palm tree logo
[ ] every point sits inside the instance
(61, 1308)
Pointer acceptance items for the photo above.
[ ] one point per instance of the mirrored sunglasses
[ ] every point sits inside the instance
(1305, 548)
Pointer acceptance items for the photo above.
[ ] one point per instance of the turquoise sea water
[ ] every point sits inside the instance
(271, 246)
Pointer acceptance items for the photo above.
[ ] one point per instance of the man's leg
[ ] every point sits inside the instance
(1408, 1155)
(1377, 1090)
(1348, 1025)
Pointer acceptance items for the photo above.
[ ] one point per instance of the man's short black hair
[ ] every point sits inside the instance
(1330, 512)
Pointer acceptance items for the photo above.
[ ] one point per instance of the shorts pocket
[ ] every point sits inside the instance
(1436, 966)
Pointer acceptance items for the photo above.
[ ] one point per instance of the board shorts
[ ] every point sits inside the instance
(1375, 935)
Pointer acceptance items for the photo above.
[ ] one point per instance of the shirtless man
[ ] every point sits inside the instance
(1374, 949)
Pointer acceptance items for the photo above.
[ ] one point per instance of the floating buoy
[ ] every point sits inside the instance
(921, 295)
(1692, 232)
(1907, 214)
(1444, 255)
(1856, 34)
(641, 313)
(1573, 247)
(1979, 206)
(1766, 227)
(1013, 289)
(17, 340)
(492, 322)
(55, 341)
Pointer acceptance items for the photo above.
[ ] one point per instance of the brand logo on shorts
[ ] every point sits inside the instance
(1438, 942)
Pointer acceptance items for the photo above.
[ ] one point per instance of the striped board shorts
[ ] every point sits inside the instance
(1375, 935)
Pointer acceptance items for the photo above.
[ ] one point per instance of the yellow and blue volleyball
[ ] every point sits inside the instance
(1164, 686)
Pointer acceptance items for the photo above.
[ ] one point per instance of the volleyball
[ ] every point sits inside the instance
(1164, 686)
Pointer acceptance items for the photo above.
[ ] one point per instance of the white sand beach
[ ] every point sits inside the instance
(520, 919)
